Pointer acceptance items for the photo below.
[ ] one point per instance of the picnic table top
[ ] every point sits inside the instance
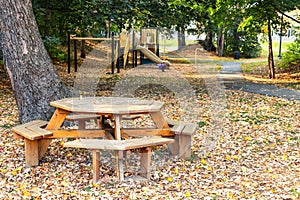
(108, 105)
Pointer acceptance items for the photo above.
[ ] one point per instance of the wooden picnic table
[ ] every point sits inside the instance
(38, 134)
(104, 107)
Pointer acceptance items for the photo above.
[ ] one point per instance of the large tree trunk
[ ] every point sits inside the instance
(220, 43)
(181, 38)
(270, 57)
(208, 42)
(34, 79)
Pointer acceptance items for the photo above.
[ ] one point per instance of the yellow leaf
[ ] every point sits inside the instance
(69, 155)
(26, 193)
(14, 172)
(170, 179)
(176, 171)
(187, 194)
(247, 138)
(19, 168)
(227, 157)
(203, 162)
(235, 157)
(284, 157)
(64, 183)
(244, 169)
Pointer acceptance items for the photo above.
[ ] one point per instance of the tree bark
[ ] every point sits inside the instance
(208, 42)
(270, 57)
(220, 43)
(33, 77)
(181, 38)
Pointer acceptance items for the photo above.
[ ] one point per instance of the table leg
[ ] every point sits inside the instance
(145, 162)
(120, 165)
(119, 154)
(55, 123)
(96, 165)
(159, 120)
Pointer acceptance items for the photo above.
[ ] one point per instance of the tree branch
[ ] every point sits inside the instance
(295, 20)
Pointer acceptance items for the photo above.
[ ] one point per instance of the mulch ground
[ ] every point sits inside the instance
(246, 146)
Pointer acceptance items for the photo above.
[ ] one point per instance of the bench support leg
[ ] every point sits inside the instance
(181, 146)
(31, 152)
(120, 165)
(174, 147)
(145, 162)
(96, 165)
(43, 146)
(185, 146)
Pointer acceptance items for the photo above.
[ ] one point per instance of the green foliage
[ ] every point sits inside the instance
(292, 55)
(53, 44)
(249, 46)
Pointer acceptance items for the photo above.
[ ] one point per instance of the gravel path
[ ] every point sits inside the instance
(231, 76)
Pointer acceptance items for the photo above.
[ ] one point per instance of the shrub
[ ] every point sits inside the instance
(249, 46)
(291, 56)
(53, 44)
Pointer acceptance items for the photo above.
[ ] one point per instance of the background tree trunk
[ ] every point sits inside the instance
(270, 57)
(181, 38)
(220, 43)
(208, 42)
(34, 79)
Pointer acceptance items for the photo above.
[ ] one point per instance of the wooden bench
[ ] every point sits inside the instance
(144, 144)
(32, 132)
(183, 133)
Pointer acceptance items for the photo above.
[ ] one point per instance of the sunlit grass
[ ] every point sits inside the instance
(265, 48)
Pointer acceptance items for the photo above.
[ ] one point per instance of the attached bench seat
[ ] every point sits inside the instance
(32, 132)
(145, 144)
(183, 132)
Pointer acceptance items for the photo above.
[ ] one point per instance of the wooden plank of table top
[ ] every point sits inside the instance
(108, 105)
(119, 145)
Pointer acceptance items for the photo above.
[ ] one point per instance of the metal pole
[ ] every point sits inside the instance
(75, 55)
(69, 51)
(133, 48)
(112, 52)
(157, 42)
(119, 56)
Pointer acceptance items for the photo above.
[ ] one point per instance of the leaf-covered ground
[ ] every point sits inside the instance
(254, 147)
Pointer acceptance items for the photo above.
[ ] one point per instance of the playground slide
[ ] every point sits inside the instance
(152, 56)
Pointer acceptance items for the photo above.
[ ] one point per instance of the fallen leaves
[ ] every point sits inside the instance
(257, 155)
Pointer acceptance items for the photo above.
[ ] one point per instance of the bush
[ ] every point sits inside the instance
(292, 55)
(53, 44)
(249, 46)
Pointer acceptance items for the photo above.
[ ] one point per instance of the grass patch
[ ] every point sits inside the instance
(179, 60)
(265, 48)
(174, 43)
(253, 67)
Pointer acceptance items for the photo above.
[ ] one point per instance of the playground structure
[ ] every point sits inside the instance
(126, 47)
